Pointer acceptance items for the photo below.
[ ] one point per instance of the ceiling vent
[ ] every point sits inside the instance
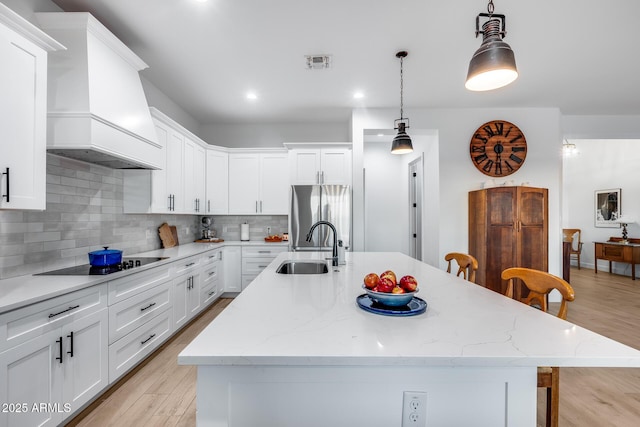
(318, 62)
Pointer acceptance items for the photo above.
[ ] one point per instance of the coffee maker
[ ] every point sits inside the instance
(207, 231)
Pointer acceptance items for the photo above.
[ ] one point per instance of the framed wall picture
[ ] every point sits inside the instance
(607, 207)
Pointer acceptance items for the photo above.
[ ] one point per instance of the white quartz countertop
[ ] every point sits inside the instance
(20, 291)
(314, 320)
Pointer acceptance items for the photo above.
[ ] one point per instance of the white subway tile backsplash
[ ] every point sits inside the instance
(84, 213)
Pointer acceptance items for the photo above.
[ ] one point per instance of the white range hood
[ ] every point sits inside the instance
(97, 109)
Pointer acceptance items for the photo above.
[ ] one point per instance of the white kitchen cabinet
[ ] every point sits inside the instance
(186, 291)
(258, 183)
(194, 177)
(217, 185)
(23, 112)
(309, 166)
(178, 188)
(257, 258)
(63, 365)
(232, 273)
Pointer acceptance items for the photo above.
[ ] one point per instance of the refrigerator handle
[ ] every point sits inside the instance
(322, 177)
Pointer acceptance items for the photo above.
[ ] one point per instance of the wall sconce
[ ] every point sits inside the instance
(493, 65)
(569, 149)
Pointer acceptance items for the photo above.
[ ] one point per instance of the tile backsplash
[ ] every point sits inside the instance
(85, 212)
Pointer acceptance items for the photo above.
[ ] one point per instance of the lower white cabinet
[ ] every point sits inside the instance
(186, 291)
(59, 354)
(211, 277)
(232, 276)
(56, 372)
(257, 258)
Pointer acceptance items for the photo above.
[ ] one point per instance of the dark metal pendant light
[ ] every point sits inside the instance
(493, 65)
(402, 142)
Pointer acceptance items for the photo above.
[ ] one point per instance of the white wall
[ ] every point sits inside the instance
(600, 165)
(386, 198)
(458, 176)
(273, 134)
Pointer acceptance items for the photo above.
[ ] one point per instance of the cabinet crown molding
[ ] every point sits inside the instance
(316, 145)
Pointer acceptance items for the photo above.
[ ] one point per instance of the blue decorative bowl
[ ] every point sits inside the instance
(389, 299)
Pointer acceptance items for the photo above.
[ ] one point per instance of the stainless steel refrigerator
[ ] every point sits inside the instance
(312, 203)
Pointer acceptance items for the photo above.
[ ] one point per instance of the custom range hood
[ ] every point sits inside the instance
(97, 109)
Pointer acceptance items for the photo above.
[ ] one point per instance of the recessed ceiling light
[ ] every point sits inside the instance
(252, 95)
(202, 1)
(358, 95)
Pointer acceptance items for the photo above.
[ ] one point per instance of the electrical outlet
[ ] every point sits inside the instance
(148, 234)
(414, 409)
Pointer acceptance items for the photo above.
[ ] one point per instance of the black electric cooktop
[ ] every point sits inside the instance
(88, 270)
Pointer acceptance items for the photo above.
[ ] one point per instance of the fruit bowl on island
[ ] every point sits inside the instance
(390, 299)
(385, 289)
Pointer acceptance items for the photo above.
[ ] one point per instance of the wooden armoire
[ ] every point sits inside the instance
(508, 227)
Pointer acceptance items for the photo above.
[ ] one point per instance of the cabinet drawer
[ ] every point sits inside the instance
(125, 353)
(121, 289)
(613, 253)
(187, 265)
(263, 251)
(210, 274)
(247, 279)
(133, 312)
(210, 292)
(254, 266)
(212, 257)
(34, 320)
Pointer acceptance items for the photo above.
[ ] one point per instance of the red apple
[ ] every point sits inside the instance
(391, 275)
(408, 283)
(385, 285)
(397, 290)
(371, 280)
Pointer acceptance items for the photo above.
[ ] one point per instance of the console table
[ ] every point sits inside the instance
(616, 250)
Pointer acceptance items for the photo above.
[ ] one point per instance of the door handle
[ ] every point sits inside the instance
(59, 341)
(7, 195)
(70, 336)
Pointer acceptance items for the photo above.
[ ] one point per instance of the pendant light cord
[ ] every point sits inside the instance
(401, 89)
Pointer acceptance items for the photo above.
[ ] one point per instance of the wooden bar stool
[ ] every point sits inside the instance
(573, 235)
(466, 264)
(540, 284)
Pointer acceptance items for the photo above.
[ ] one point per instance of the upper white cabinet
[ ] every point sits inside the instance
(217, 185)
(23, 111)
(177, 188)
(258, 183)
(329, 164)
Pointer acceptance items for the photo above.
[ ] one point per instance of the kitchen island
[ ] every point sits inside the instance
(296, 350)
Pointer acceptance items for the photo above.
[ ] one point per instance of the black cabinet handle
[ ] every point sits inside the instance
(148, 339)
(212, 292)
(208, 205)
(7, 195)
(70, 336)
(190, 264)
(169, 201)
(148, 307)
(63, 311)
(59, 341)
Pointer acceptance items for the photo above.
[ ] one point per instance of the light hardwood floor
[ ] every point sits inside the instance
(161, 393)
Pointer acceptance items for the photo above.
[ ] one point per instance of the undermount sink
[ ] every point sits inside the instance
(303, 267)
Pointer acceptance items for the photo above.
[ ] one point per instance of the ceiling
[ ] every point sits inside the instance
(577, 55)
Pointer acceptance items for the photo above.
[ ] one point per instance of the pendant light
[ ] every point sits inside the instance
(493, 65)
(402, 142)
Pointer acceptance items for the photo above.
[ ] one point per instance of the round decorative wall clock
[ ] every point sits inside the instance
(498, 148)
